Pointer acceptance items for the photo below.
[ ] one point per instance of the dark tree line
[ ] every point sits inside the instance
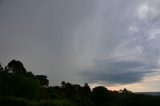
(16, 81)
(22, 88)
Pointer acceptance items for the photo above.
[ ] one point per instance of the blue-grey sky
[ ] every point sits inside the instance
(110, 42)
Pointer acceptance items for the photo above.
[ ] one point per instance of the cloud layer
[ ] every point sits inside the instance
(134, 51)
(115, 71)
(87, 40)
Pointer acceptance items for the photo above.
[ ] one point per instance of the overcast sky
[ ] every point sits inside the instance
(114, 43)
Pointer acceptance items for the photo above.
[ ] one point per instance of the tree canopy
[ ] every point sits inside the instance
(22, 88)
(16, 67)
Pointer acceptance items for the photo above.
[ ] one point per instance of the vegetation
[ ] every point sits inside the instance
(18, 87)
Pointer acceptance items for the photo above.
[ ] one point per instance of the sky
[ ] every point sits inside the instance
(113, 43)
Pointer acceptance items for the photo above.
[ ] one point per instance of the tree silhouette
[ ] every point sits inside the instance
(25, 87)
(16, 81)
(99, 95)
(1, 68)
(21, 88)
(16, 67)
(43, 80)
(87, 88)
(125, 91)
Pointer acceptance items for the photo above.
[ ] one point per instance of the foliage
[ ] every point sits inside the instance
(99, 95)
(26, 87)
(18, 82)
(43, 80)
(15, 67)
(18, 87)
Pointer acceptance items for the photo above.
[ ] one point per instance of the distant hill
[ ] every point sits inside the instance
(149, 93)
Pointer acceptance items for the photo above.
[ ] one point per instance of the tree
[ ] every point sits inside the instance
(43, 80)
(6, 88)
(25, 87)
(125, 91)
(63, 84)
(16, 67)
(70, 90)
(1, 68)
(16, 81)
(99, 95)
(86, 88)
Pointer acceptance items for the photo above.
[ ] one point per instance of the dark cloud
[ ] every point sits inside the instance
(61, 38)
(117, 71)
(40, 34)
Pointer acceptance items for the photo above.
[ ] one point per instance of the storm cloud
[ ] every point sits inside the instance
(118, 71)
(111, 41)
